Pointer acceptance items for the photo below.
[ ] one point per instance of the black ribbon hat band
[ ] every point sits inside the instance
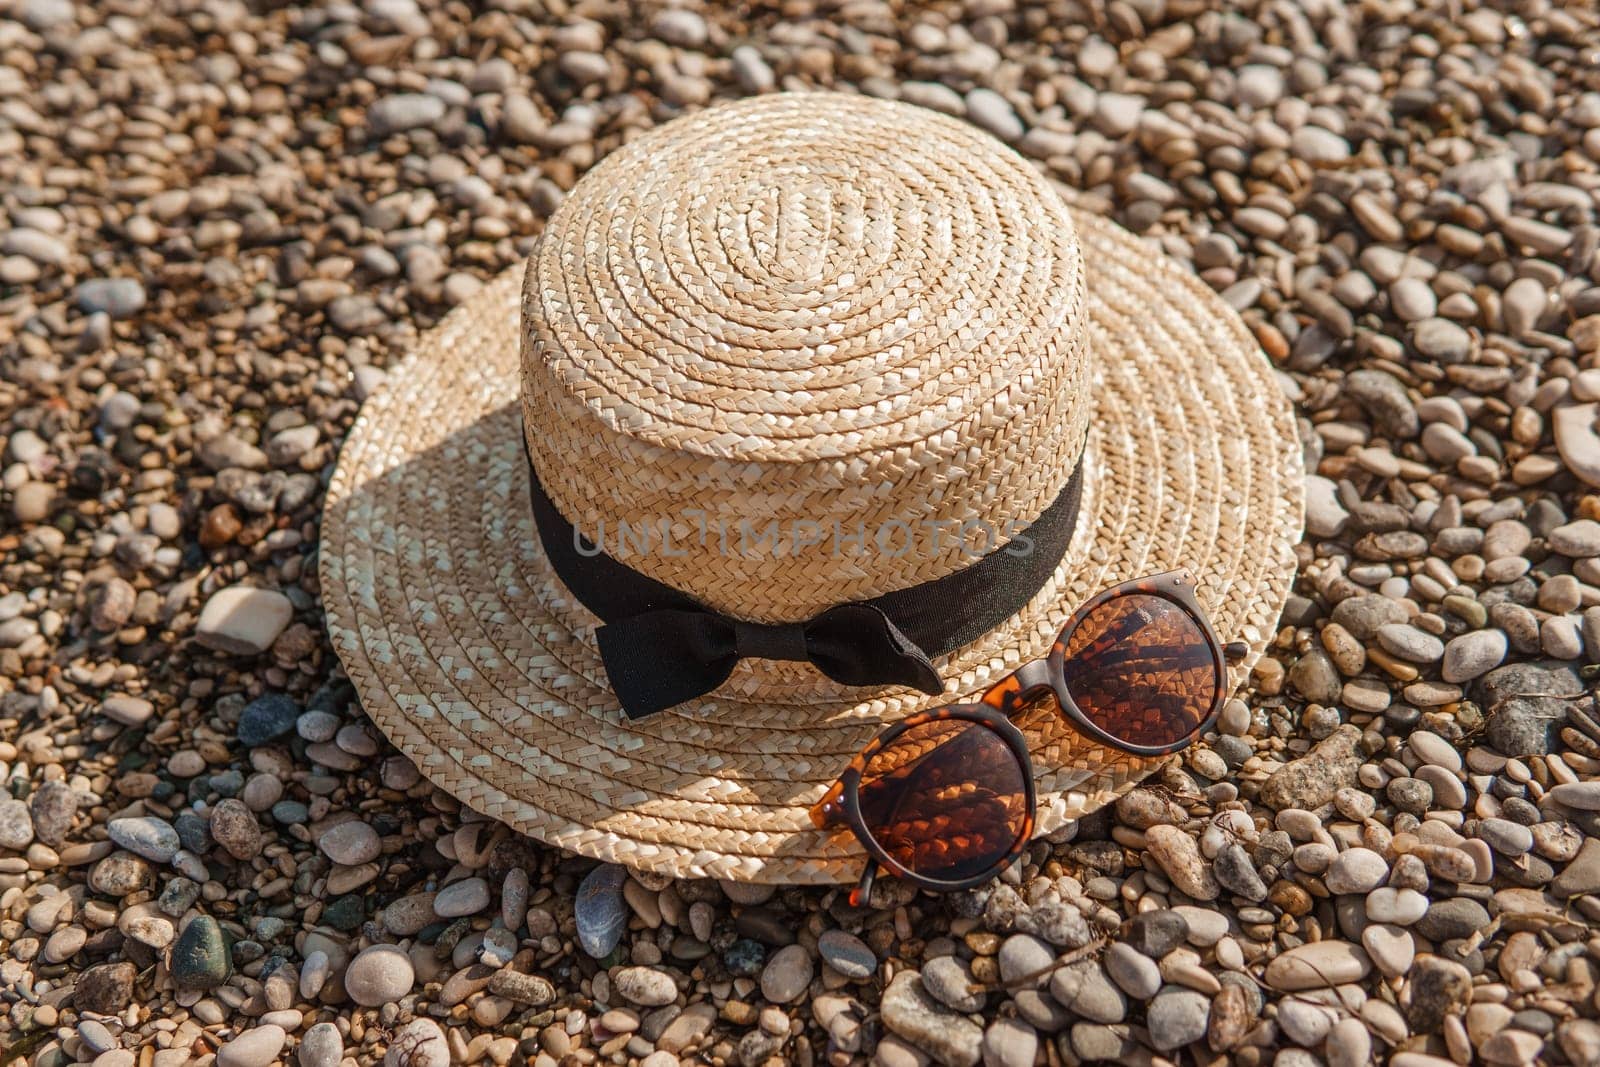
(661, 647)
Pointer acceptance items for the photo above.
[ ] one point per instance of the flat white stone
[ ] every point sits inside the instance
(243, 621)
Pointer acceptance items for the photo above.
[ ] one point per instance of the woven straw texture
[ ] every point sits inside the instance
(972, 339)
(733, 317)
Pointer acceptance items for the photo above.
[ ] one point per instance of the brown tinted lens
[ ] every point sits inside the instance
(945, 800)
(1140, 668)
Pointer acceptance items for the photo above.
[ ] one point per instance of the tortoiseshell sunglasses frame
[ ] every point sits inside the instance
(841, 803)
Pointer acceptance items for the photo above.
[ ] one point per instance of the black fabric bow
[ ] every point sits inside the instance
(661, 658)
(662, 647)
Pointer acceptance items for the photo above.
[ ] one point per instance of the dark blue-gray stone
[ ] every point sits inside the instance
(1237, 874)
(1156, 933)
(450, 937)
(600, 910)
(228, 783)
(345, 913)
(290, 812)
(1526, 705)
(745, 958)
(200, 960)
(335, 697)
(268, 928)
(247, 952)
(193, 831)
(267, 718)
(1233, 750)
(178, 896)
(1453, 919)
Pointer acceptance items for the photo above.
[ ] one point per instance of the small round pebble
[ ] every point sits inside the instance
(350, 843)
(466, 897)
(646, 986)
(787, 974)
(321, 1046)
(379, 974)
(253, 1048)
(847, 954)
(1177, 1017)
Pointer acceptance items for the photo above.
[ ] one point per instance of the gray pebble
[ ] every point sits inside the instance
(909, 1012)
(146, 835)
(993, 112)
(403, 112)
(1453, 918)
(787, 974)
(350, 843)
(1022, 955)
(321, 1046)
(95, 1036)
(1410, 643)
(1473, 654)
(1237, 874)
(751, 70)
(1505, 837)
(601, 914)
(1441, 340)
(1135, 973)
(648, 987)
(1356, 870)
(1578, 540)
(16, 825)
(952, 984)
(680, 27)
(253, 1048)
(1385, 401)
(1177, 1018)
(847, 954)
(1083, 989)
(466, 897)
(1156, 933)
(120, 298)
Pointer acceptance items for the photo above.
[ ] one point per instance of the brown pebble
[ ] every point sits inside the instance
(221, 525)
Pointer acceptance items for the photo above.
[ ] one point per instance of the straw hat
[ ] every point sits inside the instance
(794, 338)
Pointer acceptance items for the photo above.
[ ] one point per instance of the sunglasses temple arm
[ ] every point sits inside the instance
(863, 890)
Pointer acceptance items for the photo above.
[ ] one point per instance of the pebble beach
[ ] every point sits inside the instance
(222, 225)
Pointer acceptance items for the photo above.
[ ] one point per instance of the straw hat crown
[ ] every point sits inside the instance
(769, 350)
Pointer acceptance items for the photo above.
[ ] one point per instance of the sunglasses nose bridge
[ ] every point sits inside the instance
(1034, 678)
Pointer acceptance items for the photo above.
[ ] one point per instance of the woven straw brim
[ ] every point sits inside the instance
(475, 661)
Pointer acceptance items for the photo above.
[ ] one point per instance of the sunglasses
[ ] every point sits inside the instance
(945, 799)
